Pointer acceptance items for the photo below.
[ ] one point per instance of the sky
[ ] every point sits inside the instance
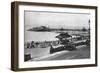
(66, 20)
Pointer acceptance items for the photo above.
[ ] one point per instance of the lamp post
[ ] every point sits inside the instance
(89, 29)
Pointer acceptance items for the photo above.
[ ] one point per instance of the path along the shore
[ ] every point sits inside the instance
(82, 52)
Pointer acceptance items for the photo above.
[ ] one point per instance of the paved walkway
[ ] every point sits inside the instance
(82, 52)
(50, 56)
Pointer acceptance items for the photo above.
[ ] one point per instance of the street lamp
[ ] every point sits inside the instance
(89, 29)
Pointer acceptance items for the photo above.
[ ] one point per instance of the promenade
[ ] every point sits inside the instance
(82, 52)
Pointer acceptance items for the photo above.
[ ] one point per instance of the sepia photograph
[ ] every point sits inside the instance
(50, 35)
